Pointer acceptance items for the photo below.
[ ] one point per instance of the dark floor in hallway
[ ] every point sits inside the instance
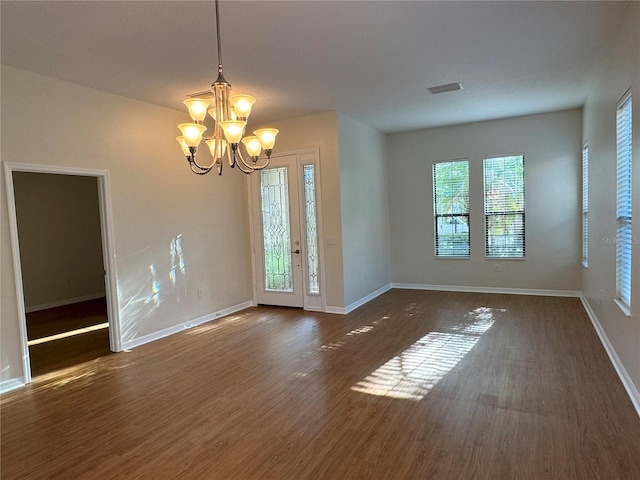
(61, 353)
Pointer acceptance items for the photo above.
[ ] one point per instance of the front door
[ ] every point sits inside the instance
(286, 232)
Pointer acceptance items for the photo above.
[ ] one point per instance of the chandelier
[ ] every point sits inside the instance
(230, 114)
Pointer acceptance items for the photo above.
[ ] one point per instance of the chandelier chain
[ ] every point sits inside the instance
(218, 38)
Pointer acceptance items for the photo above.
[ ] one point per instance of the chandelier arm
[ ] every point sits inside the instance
(264, 165)
(200, 171)
(243, 167)
(253, 167)
(219, 166)
(231, 155)
(193, 161)
(242, 160)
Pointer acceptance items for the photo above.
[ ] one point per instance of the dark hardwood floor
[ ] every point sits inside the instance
(66, 352)
(413, 385)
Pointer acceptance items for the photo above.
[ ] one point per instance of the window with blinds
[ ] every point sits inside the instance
(451, 208)
(504, 207)
(624, 239)
(585, 205)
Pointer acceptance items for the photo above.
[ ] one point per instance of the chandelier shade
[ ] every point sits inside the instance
(242, 104)
(183, 145)
(197, 108)
(267, 137)
(253, 146)
(192, 133)
(217, 149)
(230, 114)
(233, 130)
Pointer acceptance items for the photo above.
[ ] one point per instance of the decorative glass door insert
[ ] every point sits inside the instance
(313, 284)
(276, 230)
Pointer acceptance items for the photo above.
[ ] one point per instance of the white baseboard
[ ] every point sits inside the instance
(12, 384)
(336, 310)
(314, 309)
(60, 303)
(629, 386)
(358, 303)
(501, 290)
(136, 342)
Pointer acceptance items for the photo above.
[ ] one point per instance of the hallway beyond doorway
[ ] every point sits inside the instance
(71, 334)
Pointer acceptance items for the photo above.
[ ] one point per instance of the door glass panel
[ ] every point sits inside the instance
(276, 230)
(313, 285)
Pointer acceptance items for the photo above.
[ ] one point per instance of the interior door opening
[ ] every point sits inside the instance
(59, 222)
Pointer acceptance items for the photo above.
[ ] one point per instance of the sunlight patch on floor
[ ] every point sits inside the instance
(59, 336)
(412, 374)
(353, 333)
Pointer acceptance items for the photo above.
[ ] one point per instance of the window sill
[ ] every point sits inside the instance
(495, 259)
(626, 310)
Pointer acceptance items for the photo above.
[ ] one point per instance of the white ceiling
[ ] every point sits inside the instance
(372, 61)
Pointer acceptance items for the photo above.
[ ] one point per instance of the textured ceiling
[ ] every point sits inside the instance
(372, 61)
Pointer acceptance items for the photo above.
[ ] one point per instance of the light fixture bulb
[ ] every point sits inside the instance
(267, 137)
(253, 146)
(242, 104)
(192, 133)
(197, 108)
(233, 130)
(184, 146)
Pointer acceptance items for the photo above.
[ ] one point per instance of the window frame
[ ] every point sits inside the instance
(437, 215)
(624, 202)
(585, 205)
(521, 212)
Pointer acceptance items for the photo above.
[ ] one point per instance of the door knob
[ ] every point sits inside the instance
(296, 251)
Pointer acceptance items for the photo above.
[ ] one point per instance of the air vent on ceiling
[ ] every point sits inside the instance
(449, 87)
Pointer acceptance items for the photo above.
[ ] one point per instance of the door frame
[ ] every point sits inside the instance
(310, 302)
(108, 250)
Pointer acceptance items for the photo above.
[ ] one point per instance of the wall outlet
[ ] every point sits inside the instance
(601, 295)
(496, 267)
(199, 293)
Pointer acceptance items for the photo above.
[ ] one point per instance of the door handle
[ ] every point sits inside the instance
(297, 252)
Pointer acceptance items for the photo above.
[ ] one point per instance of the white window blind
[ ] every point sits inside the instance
(451, 208)
(624, 238)
(585, 205)
(504, 206)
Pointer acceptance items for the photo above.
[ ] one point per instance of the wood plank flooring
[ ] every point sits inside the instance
(67, 352)
(51, 321)
(413, 385)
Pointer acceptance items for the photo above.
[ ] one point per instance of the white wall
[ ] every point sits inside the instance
(364, 203)
(551, 144)
(156, 201)
(58, 220)
(620, 71)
